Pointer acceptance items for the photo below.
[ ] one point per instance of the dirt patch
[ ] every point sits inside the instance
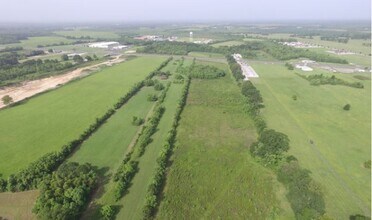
(31, 88)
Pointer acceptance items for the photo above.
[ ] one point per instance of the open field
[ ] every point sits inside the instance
(33, 42)
(341, 139)
(228, 43)
(205, 54)
(212, 174)
(50, 120)
(90, 33)
(133, 203)
(17, 205)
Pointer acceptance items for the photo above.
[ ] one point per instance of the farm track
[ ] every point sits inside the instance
(320, 156)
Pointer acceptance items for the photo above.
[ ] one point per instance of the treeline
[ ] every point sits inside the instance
(284, 52)
(31, 176)
(247, 50)
(270, 149)
(11, 49)
(235, 68)
(156, 186)
(320, 79)
(335, 39)
(65, 192)
(201, 71)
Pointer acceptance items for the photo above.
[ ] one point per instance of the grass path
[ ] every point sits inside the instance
(133, 202)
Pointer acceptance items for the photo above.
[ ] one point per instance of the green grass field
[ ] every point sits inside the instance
(47, 122)
(33, 42)
(205, 54)
(341, 139)
(91, 33)
(17, 205)
(228, 43)
(108, 146)
(134, 201)
(212, 175)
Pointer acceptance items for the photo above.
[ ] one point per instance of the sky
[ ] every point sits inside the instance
(181, 10)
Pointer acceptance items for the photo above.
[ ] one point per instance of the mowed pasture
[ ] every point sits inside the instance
(329, 141)
(46, 122)
(212, 174)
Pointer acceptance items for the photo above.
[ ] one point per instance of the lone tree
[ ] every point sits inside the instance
(347, 107)
(107, 212)
(7, 99)
(64, 57)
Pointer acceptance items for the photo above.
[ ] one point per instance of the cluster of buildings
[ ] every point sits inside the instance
(340, 52)
(155, 38)
(300, 44)
(111, 45)
(304, 65)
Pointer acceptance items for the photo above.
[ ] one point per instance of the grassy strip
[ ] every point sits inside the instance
(129, 166)
(32, 176)
(155, 188)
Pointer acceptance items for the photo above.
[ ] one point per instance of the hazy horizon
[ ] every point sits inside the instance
(47, 11)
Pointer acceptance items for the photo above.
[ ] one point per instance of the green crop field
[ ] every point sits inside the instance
(17, 205)
(340, 139)
(48, 121)
(134, 201)
(90, 33)
(212, 174)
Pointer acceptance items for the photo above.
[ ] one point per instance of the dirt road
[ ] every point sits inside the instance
(30, 88)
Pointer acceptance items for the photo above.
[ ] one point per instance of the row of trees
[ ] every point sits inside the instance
(248, 49)
(157, 183)
(34, 173)
(320, 79)
(270, 149)
(65, 192)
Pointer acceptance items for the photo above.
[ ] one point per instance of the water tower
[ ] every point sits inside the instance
(191, 36)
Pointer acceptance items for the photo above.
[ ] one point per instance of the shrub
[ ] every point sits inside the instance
(137, 121)
(294, 97)
(107, 212)
(149, 82)
(347, 107)
(152, 98)
(158, 86)
(367, 164)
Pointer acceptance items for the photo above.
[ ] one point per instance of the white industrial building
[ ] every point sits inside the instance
(107, 45)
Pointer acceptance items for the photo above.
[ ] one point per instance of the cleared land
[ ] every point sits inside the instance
(341, 139)
(31, 88)
(17, 205)
(49, 121)
(212, 174)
